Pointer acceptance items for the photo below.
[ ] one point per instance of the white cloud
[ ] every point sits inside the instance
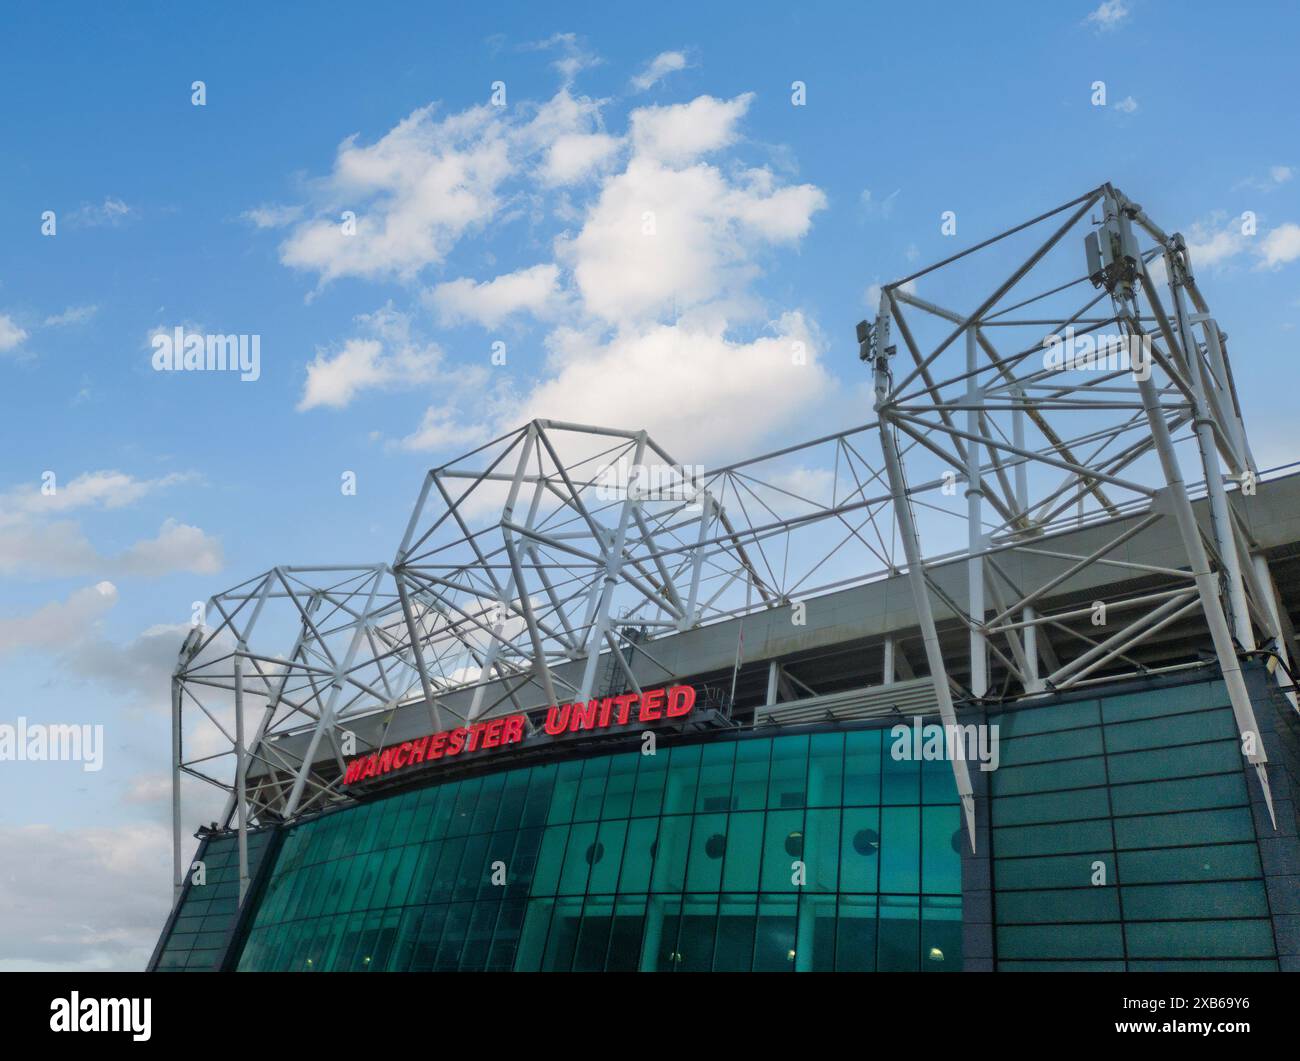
(414, 192)
(104, 489)
(658, 234)
(1109, 15)
(83, 899)
(1280, 174)
(1281, 245)
(657, 69)
(177, 547)
(71, 315)
(61, 549)
(11, 336)
(696, 390)
(111, 212)
(58, 624)
(140, 668)
(385, 358)
(273, 215)
(34, 542)
(652, 303)
(683, 132)
(1127, 105)
(575, 156)
(1212, 243)
(530, 290)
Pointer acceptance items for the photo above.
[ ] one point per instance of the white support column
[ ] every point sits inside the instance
(1207, 585)
(178, 875)
(979, 678)
(773, 671)
(921, 598)
(888, 662)
(1033, 683)
(1220, 516)
(241, 771)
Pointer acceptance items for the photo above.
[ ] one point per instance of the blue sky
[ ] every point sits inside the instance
(375, 348)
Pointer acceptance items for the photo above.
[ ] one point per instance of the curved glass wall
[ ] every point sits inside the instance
(792, 853)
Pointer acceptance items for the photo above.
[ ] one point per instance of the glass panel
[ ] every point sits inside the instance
(826, 770)
(593, 936)
(737, 921)
(621, 784)
(708, 846)
(815, 950)
(638, 855)
(695, 935)
(899, 940)
(862, 768)
(774, 939)
(670, 854)
(591, 790)
(941, 934)
(744, 849)
(788, 773)
(749, 788)
(683, 775)
(625, 934)
(607, 856)
(782, 847)
(717, 763)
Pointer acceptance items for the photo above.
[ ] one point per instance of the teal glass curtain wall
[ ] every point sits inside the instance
(205, 921)
(794, 853)
(1123, 838)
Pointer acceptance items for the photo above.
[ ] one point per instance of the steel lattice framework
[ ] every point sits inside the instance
(535, 567)
(1044, 416)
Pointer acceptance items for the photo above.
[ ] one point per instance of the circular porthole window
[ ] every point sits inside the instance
(794, 844)
(715, 845)
(595, 853)
(866, 842)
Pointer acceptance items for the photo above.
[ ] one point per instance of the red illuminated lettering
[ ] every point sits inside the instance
(514, 730)
(681, 698)
(557, 720)
(584, 716)
(624, 704)
(652, 704)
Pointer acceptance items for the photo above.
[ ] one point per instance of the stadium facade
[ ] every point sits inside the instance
(999, 681)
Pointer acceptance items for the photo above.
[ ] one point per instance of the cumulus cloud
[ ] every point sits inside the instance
(61, 548)
(11, 335)
(651, 301)
(104, 489)
(415, 192)
(527, 290)
(58, 623)
(36, 541)
(177, 547)
(50, 919)
(658, 68)
(658, 234)
(691, 385)
(1109, 15)
(685, 131)
(576, 156)
(1280, 246)
(384, 357)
